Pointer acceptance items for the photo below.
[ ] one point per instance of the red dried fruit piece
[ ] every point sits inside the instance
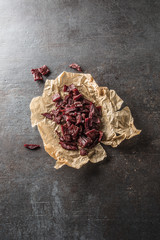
(44, 70)
(84, 141)
(83, 152)
(68, 146)
(70, 109)
(65, 88)
(99, 110)
(47, 115)
(75, 91)
(73, 131)
(36, 74)
(100, 136)
(93, 134)
(78, 119)
(70, 119)
(78, 104)
(86, 124)
(31, 146)
(58, 119)
(75, 66)
(56, 97)
(77, 97)
(96, 120)
(67, 138)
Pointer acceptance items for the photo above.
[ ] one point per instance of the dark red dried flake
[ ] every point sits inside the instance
(56, 97)
(68, 146)
(83, 152)
(67, 138)
(31, 146)
(70, 101)
(78, 119)
(47, 115)
(70, 119)
(77, 97)
(64, 130)
(73, 131)
(65, 88)
(44, 70)
(86, 124)
(100, 136)
(78, 104)
(70, 109)
(96, 120)
(75, 91)
(55, 112)
(58, 119)
(36, 74)
(84, 141)
(75, 66)
(99, 110)
(83, 115)
(71, 88)
(68, 124)
(93, 134)
(72, 114)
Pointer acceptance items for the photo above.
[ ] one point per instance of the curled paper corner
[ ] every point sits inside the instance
(117, 124)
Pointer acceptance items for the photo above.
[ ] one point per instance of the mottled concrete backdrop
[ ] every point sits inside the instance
(118, 42)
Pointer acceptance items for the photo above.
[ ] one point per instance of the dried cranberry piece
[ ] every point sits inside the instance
(65, 88)
(58, 119)
(77, 97)
(75, 66)
(67, 138)
(31, 146)
(78, 104)
(44, 70)
(93, 134)
(73, 131)
(100, 136)
(78, 119)
(36, 74)
(47, 115)
(70, 119)
(68, 146)
(70, 109)
(75, 91)
(84, 141)
(83, 152)
(99, 110)
(56, 97)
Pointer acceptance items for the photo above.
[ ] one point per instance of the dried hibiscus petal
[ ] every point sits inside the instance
(83, 152)
(47, 115)
(56, 97)
(44, 70)
(68, 146)
(36, 74)
(31, 146)
(75, 66)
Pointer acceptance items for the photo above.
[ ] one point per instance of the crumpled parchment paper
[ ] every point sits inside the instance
(117, 124)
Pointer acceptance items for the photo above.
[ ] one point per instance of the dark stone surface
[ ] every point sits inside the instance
(118, 42)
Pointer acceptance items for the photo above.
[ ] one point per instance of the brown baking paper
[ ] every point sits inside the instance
(117, 124)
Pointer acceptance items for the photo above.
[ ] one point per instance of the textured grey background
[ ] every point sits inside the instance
(118, 42)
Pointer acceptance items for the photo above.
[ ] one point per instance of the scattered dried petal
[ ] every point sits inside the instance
(31, 146)
(44, 70)
(36, 74)
(75, 66)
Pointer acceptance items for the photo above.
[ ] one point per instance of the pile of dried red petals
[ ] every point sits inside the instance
(79, 119)
(38, 72)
